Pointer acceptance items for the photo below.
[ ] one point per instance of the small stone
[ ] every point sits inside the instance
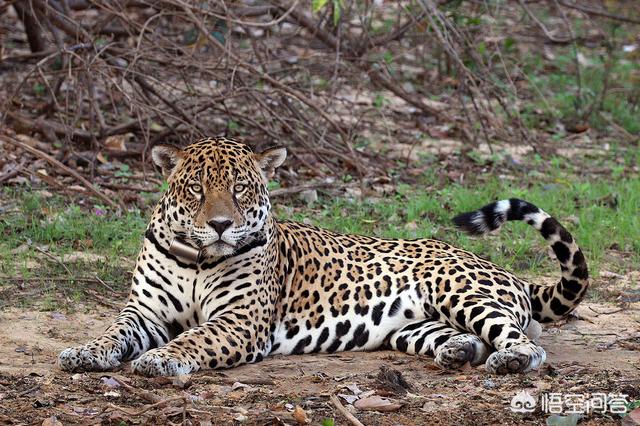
(309, 196)
(408, 87)
(411, 226)
(241, 418)
(489, 384)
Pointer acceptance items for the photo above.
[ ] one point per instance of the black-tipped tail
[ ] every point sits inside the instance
(549, 302)
(492, 216)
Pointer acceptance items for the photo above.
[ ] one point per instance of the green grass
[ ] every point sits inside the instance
(31, 224)
(606, 212)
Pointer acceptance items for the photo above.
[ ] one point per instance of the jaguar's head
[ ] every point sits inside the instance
(217, 199)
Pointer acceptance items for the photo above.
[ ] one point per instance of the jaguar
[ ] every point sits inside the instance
(260, 286)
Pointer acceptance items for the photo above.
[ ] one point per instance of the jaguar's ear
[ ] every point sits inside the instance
(271, 159)
(166, 157)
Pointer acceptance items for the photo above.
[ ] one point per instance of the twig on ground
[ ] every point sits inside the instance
(28, 391)
(55, 259)
(13, 173)
(615, 311)
(105, 285)
(102, 300)
(343, 410)
(249, 381)
(146, 395)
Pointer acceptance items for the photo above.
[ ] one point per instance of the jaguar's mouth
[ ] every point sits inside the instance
(217, 249)
(219, 245)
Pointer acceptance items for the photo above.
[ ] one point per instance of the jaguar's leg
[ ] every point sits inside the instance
(451, 348)
(497, 326)
(136, 330)
(214, 344)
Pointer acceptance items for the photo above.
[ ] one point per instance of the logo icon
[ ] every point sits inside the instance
(523, 402)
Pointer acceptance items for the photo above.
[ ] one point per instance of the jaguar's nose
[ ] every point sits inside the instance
(220, 225)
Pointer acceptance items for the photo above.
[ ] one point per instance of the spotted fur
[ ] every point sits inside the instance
(267, 287)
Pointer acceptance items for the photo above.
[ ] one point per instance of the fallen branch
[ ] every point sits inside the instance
(28, 391)
(46, 126)
(37, 42)
(60, 166)
(101, 300)
(343, 410)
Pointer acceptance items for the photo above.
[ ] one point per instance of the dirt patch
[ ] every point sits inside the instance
(595, 351)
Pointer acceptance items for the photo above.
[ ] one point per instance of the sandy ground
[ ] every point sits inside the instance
(598, 350)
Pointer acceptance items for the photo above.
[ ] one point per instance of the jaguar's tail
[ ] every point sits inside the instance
(549, 303)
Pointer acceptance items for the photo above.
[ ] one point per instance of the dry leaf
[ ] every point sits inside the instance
(300, 415)
(377, 403)
(116, 143)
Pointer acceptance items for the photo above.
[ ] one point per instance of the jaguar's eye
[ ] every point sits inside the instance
(239, 187)
(196, 188)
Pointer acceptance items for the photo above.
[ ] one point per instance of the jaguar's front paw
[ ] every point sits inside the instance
(160, 362)
(459, 350)
(85, 358)
(516, 359)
